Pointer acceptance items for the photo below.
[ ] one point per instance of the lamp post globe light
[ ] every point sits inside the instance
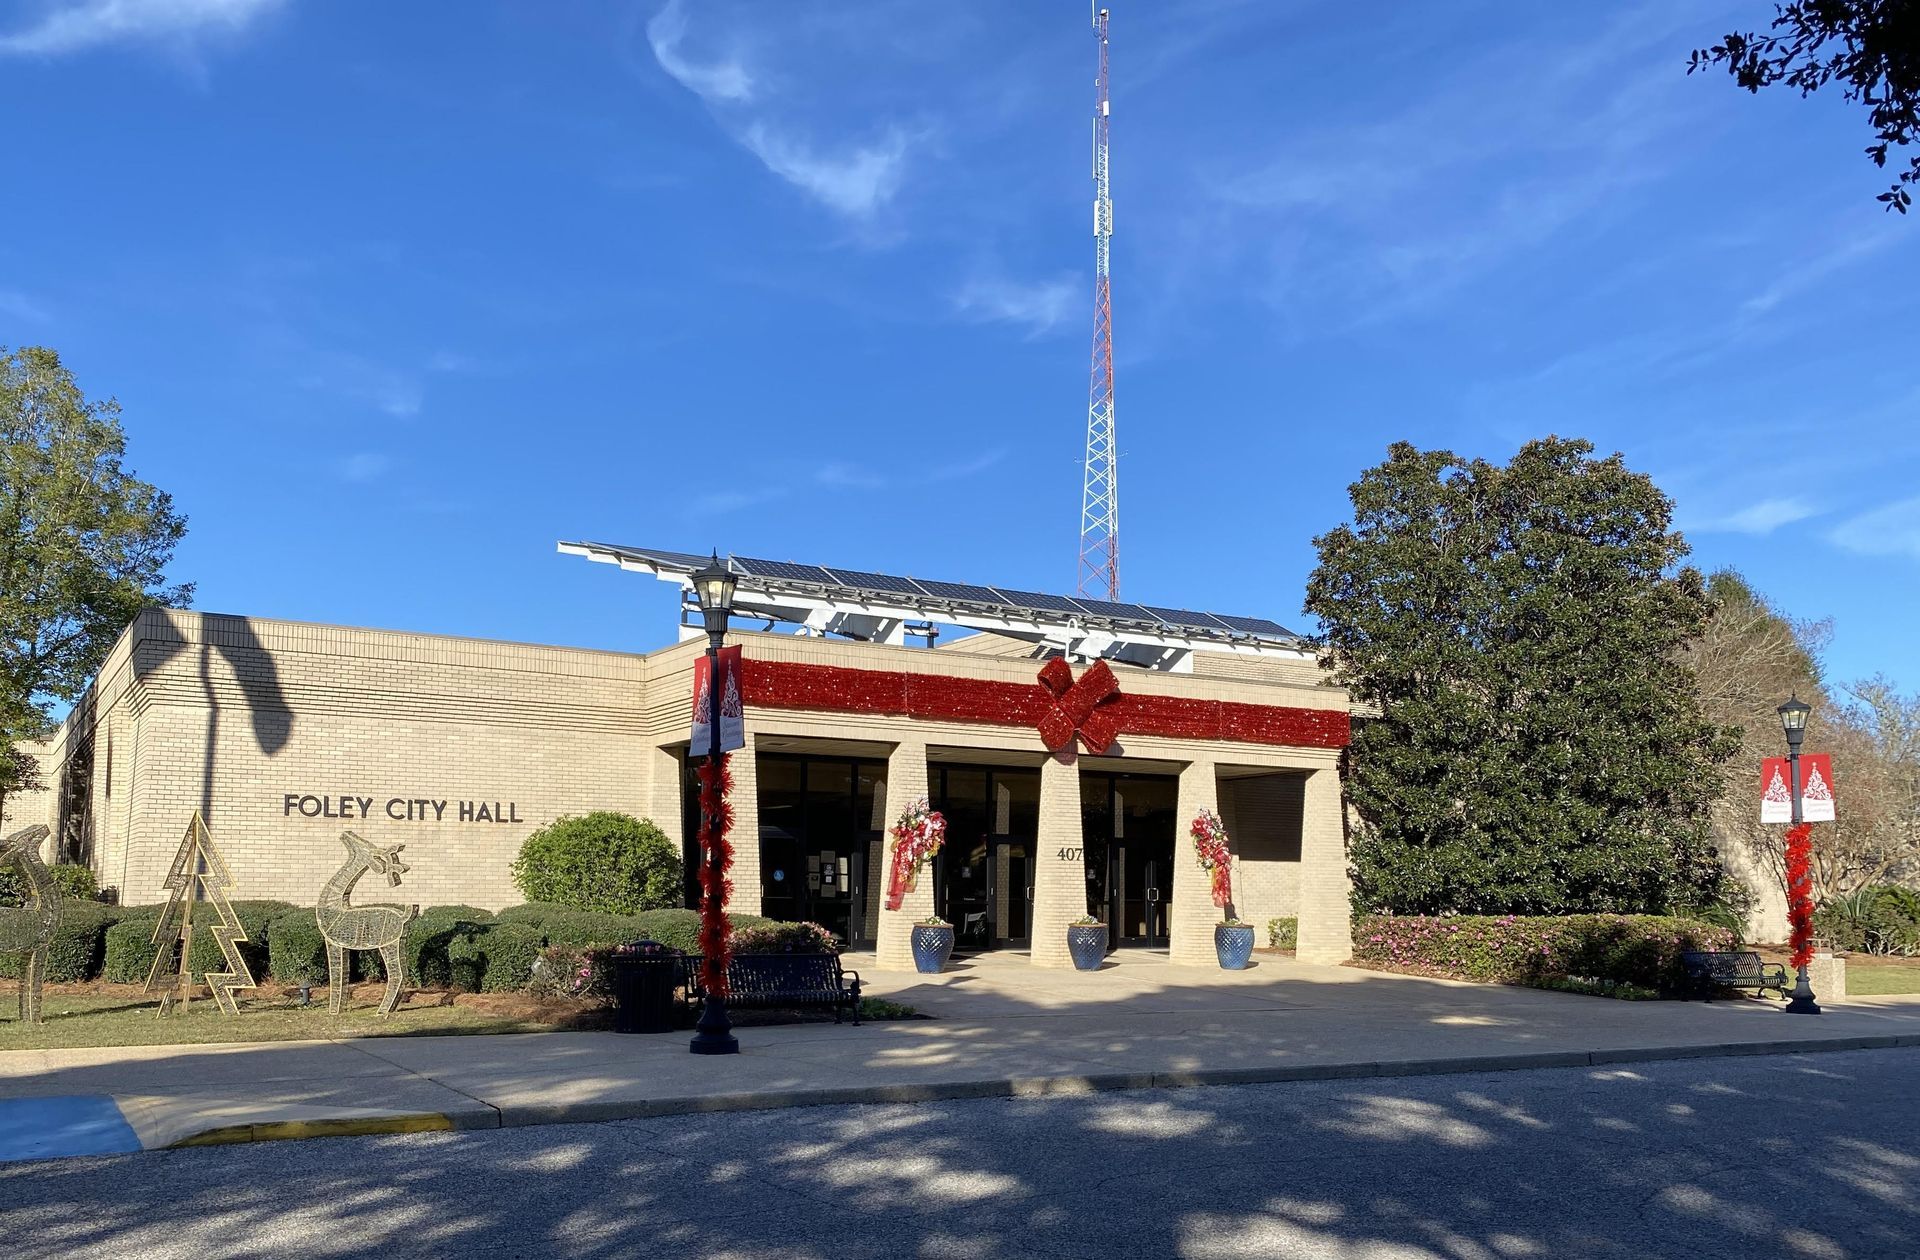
(713, 586)
(1793, 721)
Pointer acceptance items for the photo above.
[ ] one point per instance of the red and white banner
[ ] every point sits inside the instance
(733, 724)
(1816, 789)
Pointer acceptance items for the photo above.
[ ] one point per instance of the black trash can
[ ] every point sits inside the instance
(643, 976)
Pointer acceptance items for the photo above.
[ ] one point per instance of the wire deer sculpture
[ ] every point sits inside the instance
(30, 929)
(348, 927)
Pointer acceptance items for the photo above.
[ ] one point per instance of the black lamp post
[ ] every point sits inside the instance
(713, 586)
(1793, 720)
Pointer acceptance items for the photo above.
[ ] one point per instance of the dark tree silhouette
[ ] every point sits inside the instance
(1870, 47)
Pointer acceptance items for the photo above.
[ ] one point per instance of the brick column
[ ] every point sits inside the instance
(745, 835)
(1059, 884)
(1191, 912)
(906, 783)
(1326, 923)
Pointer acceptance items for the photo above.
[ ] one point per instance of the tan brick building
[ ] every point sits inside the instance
(284, 734)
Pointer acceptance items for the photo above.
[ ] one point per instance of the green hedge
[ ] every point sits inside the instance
(1283, 933)
(782, 938)
(1632, 949)
(492, 957)
(130, 948)
(428, 938)
(296, 952)
(72, 880)
(78, 948)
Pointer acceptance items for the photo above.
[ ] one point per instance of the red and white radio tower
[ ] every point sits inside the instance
(1100, 491)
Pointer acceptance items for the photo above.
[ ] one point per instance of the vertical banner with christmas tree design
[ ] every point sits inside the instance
(1816, 789)
(733, 729)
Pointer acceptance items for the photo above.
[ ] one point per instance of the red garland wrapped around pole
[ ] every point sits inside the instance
(716, 820)
(1800, 891)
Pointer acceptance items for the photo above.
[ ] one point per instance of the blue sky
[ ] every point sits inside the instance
(395, 296)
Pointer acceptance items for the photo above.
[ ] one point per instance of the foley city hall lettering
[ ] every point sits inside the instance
(398, 808)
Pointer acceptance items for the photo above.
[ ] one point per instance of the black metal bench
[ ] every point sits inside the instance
(784, 980)
(1732, 969)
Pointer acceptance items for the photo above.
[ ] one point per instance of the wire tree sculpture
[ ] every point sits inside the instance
(198, 873)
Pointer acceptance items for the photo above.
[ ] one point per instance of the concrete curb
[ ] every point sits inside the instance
(511, 1116)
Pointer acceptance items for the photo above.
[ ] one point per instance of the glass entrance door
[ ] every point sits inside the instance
(1128, 821)
(983, 877)
(1009, 890)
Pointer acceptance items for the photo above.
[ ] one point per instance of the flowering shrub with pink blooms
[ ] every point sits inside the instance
(1636, 949)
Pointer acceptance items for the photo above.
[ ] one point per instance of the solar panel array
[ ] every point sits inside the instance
(885, 588)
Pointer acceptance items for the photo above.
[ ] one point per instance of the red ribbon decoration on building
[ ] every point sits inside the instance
(1800, 891)
(1077, 706)
(716, 819)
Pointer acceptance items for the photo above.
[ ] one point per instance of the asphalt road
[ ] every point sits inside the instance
(1813, 1156)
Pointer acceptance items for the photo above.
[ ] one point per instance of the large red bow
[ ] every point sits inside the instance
(1076, 706)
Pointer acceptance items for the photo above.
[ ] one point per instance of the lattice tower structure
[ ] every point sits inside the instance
(1100, 486)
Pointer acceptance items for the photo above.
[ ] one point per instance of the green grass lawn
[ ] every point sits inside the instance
(117, 1021)
(74, 1020)
(1867, 979)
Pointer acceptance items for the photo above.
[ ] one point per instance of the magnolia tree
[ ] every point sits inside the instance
(1539, 746)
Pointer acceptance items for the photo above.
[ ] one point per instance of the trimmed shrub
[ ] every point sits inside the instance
(73, 881)
(680, 929)
(605, 861)
(532, 912)
(427, 939)
(1631, 949)
(130, 948)
(1283, 933)
(128, 952)
(492, 957)
(78, 949)
(296, 952)
(459, 913)
(1880, 920)
(783, 938)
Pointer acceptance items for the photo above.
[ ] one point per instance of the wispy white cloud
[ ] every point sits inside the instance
(17, 305)
(1037, 306)
(1760, 518)
(1892, 530)
(77, 26)
(724, 501)
(364, 467)
(855, 179)
(1809, 272)
(725, 80)
(848, 476)
(968, 467)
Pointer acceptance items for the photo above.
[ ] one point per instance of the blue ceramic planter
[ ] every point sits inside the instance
(1234, 945)
(1087, 942)
(932, 946)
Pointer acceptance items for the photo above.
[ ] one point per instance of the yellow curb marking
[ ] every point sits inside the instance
(347, 1126)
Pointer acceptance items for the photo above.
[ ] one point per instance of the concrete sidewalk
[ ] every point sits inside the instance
(1000, 1027)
